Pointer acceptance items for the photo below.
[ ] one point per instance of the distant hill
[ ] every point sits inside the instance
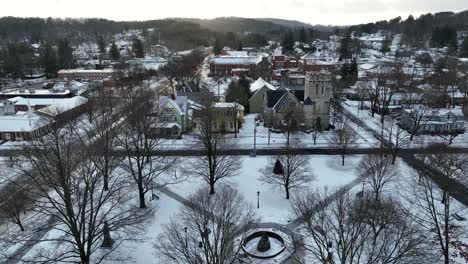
(237, 24)
(286, 23)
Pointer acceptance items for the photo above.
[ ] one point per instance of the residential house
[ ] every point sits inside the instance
(176, 115)
(435, 121)
(229, 117)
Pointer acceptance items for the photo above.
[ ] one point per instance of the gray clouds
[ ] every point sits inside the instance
(336, 12)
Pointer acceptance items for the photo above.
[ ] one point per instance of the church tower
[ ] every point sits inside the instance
(317, 94)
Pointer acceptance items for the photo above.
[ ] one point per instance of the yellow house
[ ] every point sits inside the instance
(228, 117)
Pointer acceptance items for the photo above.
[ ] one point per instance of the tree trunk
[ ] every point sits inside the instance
(106, 182)
(286, 187)
(141, 195)
(411, 137)
(394, 157)
(212, 189)
(342, 159)
(20, 225)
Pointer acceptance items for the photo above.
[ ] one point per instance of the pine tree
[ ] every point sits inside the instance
(278, 168)
(101, 45)
(65, 55)
(464, 48)
(137, 48)
(345, 47)
(217, 47)
(239, 45)
(114, 52)
(302, 35)
(386, 45)
(49, 61)
(288, 41)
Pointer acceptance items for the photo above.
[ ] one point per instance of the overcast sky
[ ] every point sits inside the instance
(328, 12)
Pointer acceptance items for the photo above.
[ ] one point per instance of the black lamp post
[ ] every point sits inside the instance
(186, 238)
(258, 199)
(362, 193)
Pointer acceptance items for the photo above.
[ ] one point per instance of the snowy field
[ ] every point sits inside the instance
(273, 205)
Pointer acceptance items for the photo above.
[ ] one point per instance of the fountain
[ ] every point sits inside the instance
(263, 244)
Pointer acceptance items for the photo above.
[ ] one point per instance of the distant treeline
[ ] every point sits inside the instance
(436, 29)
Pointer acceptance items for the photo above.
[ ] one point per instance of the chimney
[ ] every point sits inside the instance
(173, 97)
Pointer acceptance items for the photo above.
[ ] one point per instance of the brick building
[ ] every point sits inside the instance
(85, 75)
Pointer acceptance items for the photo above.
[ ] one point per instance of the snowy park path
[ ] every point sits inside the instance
(24, 249)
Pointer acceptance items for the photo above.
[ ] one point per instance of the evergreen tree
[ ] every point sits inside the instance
(239, 91)
(217, 47)
(444, 37)
(65, 55)
(302, 35)
(101, 45)
(48, 61)
(464, 48)
(138, 48)
(288, 41)
(345, 47)
(12, 65)
(114, 52)
(386, 45)
(278, 168)
(239, 45)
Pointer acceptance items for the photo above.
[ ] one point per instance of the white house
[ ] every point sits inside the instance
(435, 121)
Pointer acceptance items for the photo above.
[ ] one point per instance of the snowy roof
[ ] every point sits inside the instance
(237, 53)
(21, 122)
(235, 60)
(367, 66)
(37, 91)
(179, 104)
(86, 71)
(18, 100)
(229, 105)
(260, 83)
(66, 105)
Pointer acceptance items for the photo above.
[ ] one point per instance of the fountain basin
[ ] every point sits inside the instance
(277, 244)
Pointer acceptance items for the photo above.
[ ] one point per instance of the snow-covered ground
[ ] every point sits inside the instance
(245, 138)
(418, 141)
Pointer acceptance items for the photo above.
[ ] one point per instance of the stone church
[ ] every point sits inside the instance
(282, 109)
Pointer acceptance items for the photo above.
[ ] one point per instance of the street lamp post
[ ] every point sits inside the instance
(258, 199)
(362, 193)
(186, 238)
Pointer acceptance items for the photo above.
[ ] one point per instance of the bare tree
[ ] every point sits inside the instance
(212, 166)
(69, 191)
(344, 138)
(393, 236)
(434, 209)
(377, 171)
(396, 137)
(317, 130)
(328, 225)
(140, 142)
(418, 116)
(102, 130)
(346, 229)
(206, 230)
(13, 205)
(290, 170)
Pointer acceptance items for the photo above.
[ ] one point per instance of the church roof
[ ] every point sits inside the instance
(273, 96)
(308, 101)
